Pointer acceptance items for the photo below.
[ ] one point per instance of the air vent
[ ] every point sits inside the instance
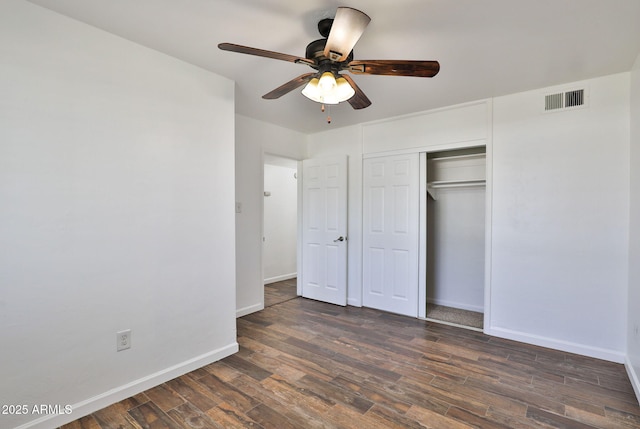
(564, 100)
(554, 101)
(574, 98)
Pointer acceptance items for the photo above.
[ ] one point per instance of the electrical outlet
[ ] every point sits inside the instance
(636, 330)
(238, 207)
(123, 340)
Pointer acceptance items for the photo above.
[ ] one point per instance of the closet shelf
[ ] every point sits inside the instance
(466, 156)
(432, 187)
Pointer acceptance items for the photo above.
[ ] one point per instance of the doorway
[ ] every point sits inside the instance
(280, 234)
(455, 228)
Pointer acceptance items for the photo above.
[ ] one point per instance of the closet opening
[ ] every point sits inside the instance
(455, 228)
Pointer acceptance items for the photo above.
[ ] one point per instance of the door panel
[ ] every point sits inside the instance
(391, 233)
(324, 221)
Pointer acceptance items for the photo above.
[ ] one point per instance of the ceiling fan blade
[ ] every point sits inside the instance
(289, 86)
(263, 53)
(359, 100)
(395, 68)
(347, 27)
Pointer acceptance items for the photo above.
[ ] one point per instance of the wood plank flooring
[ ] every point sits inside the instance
(275, 293)
(306, 364)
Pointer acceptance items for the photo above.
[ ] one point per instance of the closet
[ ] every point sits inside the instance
(455, 230)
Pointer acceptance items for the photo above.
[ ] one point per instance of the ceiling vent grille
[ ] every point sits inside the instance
(553, 101)
(574, 98)
(564, 100)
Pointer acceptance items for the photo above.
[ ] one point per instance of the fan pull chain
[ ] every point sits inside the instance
(323, 108)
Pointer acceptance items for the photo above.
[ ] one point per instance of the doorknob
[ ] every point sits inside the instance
(341, 238)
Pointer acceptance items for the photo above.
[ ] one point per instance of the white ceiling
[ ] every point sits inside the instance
(485, 47)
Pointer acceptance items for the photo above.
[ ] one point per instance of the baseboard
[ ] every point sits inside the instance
(250, 309)
(354, 302)
(88, 406)
(280, 278)
(565, 346)
(633, 377)
(476, 308)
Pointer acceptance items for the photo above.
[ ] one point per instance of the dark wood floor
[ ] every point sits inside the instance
(275, 293)
(305, 364)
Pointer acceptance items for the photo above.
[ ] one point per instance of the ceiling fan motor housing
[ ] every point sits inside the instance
(315, 52)
(324, 27)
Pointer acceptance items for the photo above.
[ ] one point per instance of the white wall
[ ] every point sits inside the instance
(116, 187)
(633, 327)
(450, 127)
(280, 223)
(560, 220)
(456, 247)
(254, 139)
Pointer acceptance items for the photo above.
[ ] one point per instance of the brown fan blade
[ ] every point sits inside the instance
(395, 68)
(359, 100)
(289, 86)
(347, 27)
(263, 53)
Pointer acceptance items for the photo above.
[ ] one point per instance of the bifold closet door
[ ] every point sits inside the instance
(390, 233)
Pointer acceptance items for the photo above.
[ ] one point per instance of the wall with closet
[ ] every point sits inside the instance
(451, 257)
(557, 222)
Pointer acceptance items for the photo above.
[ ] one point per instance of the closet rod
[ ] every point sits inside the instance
(456, 183)
(453, 157)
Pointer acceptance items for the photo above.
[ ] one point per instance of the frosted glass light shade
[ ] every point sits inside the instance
(331, 91)
(343, 90)
(312, 90)
(327, 82)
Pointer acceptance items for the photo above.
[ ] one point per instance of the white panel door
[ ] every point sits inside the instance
(324, 229)
(391, 233)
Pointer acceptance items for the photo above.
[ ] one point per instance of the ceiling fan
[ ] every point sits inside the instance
(333, 54)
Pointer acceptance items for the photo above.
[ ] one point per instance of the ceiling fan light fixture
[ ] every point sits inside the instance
(327, 82)
(312, 90)
(329, 91)
(344, 91)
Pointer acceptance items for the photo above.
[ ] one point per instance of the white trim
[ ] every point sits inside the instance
(422, 238)
(488, 215)
(90, 405)
(354, 302)
(250, 309)
(430, 111)
(633, 377)
(428, 149)
(565, 346)
(280, 278)
(461, 306)
(299, 230)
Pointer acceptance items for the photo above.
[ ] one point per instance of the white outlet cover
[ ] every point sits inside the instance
(123, 340)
